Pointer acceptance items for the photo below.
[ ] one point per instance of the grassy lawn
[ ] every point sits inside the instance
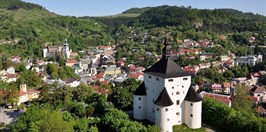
(184, 128)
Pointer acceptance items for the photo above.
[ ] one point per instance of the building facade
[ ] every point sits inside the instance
(166, 96)
(248, 60)
(51, 51)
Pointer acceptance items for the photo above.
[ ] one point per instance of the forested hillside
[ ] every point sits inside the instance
(25, 28)
(145, 32)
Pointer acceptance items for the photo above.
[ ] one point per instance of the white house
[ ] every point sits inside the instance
(166, 97)
(248, 60)
(72, 82)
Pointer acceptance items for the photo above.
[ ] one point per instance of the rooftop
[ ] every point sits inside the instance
(192, 96)
(164, 99)
(140, 90)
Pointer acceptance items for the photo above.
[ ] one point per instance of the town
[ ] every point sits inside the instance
(99, 67)
(149, 69)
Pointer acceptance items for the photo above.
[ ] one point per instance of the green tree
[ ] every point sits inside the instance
(122, 95)
(241, 100)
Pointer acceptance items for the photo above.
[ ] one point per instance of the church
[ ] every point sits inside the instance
(51, 51)
(166, 96)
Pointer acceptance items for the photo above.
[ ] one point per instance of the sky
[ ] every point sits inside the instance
(113, 7)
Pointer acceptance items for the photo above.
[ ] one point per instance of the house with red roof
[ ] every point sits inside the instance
(218, 97)
(226, 87)
(259, 92)
(204, 42)
(261, 111)
(189, 69)
(9, 78)
(70, 62)
(73, 54)
(229, 63)
(137, 76)
(15, 59)
(120, 63)
(217, 88)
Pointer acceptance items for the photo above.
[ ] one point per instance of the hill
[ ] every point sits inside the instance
(137, 35)
(29, 26)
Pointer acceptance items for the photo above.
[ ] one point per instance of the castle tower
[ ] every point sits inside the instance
(140, 99)
(163, 110)
(192, 110)
(166, 86)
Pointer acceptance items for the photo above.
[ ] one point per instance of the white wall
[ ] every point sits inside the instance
(177, 90)
(193, 114)
(139, 107)
(165, 118)
(154, 88)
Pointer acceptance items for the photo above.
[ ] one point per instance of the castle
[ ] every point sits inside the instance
(51, 51)
(166, 97)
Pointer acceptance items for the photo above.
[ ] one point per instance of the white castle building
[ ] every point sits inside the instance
(50, 51)
(166, 97)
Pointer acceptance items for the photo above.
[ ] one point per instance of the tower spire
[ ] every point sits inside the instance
(166, 49)
(66, 42)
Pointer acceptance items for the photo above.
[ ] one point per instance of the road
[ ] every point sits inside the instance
(8, 116)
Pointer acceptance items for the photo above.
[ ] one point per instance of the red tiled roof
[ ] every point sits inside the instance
(33, 91)
(71, 61)
(226, 84)
(73, 53)
(8, 76)
(132, 68)
(22, 93)
(189, 69)
(105, 82)
(223, 99)
(260, 109)
(134, 75)
(100, 75)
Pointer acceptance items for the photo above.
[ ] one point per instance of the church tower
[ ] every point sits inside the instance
(66, 50)
(162, 97)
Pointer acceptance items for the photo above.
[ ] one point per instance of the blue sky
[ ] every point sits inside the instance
(112, 7)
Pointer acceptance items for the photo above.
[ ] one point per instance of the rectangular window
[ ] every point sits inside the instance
(177, 113)
(173, 87)
(157, 109)
(168, 119)
(149, 76)
(184, 78)
(191, 115)
(191, 104)
(139, 98)
(177, 93)
(170, 80)
(139, 107)
(166, 109)
(157, 78)
(177, 102)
